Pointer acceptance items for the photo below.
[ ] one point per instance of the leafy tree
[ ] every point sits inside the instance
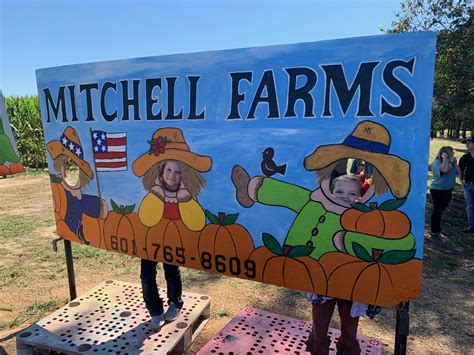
(453, 102)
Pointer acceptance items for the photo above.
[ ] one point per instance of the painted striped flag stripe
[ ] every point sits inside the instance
(120, 168)
(117, 135)
(117, 149)
(112, 155)
(116, 141)
(110, 160)
(109, 164)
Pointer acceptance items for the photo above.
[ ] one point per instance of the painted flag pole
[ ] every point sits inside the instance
(95, 167)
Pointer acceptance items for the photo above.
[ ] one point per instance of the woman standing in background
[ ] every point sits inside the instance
(444, 169)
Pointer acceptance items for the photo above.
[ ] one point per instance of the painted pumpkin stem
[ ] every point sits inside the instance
(274, 246)
(361, 207)
(221, 216)
(376, 254)
(222, 219)
(122, 210)
(373, 205)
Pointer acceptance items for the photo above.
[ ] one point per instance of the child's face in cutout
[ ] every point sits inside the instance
(347, 191)
(172, 174)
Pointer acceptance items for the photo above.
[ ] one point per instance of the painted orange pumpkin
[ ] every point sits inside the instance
(224, 239)
(293, 268)
(384, 221)
(93, 230)
(63, 231)
(123, 232)
(170, 241)
(4, 171)
(59, 200)
(16, 168)
(371, 282)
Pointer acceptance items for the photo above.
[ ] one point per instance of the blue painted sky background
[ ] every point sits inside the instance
(47, 33)
(242, 142)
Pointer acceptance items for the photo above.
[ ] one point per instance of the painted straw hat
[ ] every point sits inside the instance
(70, 146)
(169, 144)
(369, 141)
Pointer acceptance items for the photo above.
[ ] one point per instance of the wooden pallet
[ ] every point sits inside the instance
(112, 318)
(253, 331)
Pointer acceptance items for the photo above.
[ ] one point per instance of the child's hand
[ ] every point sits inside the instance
(103, 209)
(158, 192)
(183, 195)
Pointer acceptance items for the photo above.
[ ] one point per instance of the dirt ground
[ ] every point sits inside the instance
(33, 279)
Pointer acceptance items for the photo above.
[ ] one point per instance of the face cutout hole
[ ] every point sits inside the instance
(350, 179)
(71, 173)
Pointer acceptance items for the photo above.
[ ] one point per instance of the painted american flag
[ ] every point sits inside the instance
(110, 151)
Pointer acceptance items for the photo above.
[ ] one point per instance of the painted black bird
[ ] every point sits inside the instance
(268, 166)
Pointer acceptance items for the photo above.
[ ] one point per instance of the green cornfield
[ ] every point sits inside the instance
(25, 120)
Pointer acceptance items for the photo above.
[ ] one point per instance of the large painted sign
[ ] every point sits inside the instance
(9, 157)
(231, 161)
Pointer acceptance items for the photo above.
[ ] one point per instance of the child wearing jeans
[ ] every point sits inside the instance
(347, 188)
(172, 176)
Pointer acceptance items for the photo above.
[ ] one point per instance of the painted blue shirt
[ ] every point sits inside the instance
(90, 205)
(442, 181)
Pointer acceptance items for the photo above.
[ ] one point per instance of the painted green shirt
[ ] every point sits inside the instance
(312, 223)
(315, 224)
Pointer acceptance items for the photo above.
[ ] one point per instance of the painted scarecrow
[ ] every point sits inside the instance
(78, 204)
(318, 221)
(170, 154)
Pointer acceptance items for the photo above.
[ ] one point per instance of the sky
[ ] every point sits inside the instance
(37, 34)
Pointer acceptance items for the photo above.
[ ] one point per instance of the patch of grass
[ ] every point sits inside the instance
(15, 226)
(447, 263)
(44, 253)
(38, 307)
(10, 274)
(6, 324)
(128, 265)
(35, 172)
(34, 311)
(222, 312)
(80, 251)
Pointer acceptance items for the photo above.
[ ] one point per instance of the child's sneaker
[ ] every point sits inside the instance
(172, 312)
(157, 321)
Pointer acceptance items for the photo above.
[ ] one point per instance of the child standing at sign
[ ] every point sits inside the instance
(171, 174)
(347, 188)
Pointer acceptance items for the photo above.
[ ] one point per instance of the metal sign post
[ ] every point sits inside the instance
(69, 265)
(402, 328)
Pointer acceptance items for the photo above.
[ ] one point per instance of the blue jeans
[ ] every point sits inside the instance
(174, 287)
(469, 197)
